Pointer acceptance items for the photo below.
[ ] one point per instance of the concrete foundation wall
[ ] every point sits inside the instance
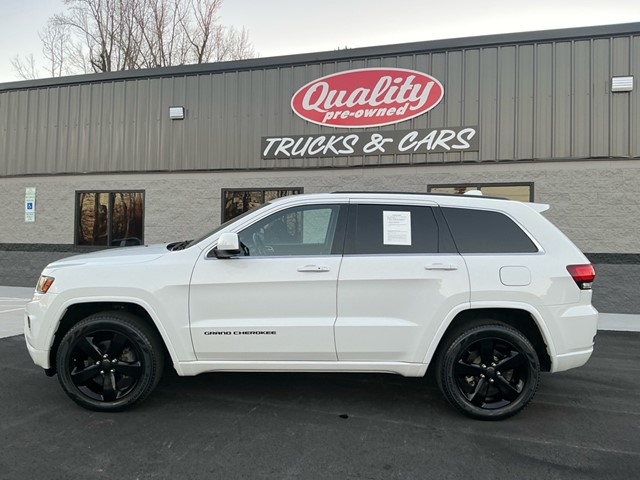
(617, 288)
(21, 269)
(595, 203)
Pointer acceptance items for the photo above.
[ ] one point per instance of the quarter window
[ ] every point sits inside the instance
(389, 229)
(237, 201)
(483, 231)
(110, 218)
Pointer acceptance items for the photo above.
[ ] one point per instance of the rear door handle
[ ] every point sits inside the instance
(440, 266)
(314, 268)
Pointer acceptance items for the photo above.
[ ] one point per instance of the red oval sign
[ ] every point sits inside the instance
(369, 97)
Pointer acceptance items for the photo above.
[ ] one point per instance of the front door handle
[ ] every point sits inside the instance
(314, 268)
(440, 266)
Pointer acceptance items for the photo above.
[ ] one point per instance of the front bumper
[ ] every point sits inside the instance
(39, 357)
(38, 333)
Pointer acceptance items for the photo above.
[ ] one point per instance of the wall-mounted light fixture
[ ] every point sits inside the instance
(622, 84)
(176, 113)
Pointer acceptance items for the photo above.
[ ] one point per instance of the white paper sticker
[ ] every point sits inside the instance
(397, 228)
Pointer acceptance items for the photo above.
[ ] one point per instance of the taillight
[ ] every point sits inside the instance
(583, 275)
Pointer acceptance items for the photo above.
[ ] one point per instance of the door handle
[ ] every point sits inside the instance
(314, 268)
(440, 266)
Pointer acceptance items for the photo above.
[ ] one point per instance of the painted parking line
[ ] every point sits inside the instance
(12, 310)
(12, 315)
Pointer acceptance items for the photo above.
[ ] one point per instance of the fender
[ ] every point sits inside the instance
(166, 337)
(437, 337)
(535, 314)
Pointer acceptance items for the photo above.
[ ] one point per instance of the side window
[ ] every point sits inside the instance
(482, 231)
(389, 229)
(307, 230)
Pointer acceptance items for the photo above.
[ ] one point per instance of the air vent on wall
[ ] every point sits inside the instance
(176, 113)
(622, 84)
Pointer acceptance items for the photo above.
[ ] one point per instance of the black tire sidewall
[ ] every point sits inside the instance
(448, 383)
(146, 346)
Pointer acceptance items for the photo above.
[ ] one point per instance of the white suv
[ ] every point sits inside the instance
(485, 290)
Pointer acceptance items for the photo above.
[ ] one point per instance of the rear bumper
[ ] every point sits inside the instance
(571, 360)
(573, 331)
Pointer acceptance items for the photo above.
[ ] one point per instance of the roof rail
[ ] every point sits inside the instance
(438, 194)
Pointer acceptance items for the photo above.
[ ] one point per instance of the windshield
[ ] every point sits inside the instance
(227, 223)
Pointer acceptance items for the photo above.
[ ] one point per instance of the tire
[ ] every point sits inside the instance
(109, 361)
(488, 371)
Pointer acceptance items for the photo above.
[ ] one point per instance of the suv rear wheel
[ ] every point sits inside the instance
(489, 370)
(109, 361)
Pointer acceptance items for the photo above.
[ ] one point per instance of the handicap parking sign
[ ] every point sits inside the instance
(30, 205)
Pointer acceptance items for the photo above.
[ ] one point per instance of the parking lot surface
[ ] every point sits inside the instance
(582, 424)
(12, 302)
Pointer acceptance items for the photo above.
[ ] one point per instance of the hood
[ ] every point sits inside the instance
(125, 255)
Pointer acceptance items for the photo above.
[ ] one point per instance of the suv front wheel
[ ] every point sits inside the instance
(489, 371)
(109, 361)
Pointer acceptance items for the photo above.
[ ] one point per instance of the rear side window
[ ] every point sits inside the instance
(393, 229)
(482, 231)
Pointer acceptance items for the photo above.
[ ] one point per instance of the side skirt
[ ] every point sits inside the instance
(399, 368)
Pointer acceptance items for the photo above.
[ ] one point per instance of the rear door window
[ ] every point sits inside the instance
(393, 229)
(484, 231)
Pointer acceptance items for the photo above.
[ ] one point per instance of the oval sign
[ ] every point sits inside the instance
(368, 97)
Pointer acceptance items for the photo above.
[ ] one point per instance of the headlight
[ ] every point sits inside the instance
(44, 284)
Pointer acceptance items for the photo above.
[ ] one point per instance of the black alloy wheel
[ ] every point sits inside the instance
(490, 371)
(109, 361)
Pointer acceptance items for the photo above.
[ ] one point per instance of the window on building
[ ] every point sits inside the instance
(113, 219)
(522, 192)
(238, 201)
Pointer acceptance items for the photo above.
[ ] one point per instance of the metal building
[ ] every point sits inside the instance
(147, 156)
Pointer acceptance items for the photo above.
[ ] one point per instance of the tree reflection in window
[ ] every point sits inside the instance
(237, 201)
(110, 218)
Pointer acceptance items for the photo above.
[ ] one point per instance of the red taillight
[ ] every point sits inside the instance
(583, 275)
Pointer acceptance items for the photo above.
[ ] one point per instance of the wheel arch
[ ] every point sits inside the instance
(525, 321)
(76, 312)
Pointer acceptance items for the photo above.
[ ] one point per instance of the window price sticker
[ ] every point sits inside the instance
(397, 228)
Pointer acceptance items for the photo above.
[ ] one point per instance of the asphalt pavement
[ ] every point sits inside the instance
(582, 424)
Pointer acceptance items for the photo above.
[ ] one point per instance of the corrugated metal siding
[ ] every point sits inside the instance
(533, 101)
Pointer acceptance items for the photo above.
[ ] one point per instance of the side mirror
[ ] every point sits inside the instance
(228, 246)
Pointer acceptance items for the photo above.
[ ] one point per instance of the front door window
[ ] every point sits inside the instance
(307, 230)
